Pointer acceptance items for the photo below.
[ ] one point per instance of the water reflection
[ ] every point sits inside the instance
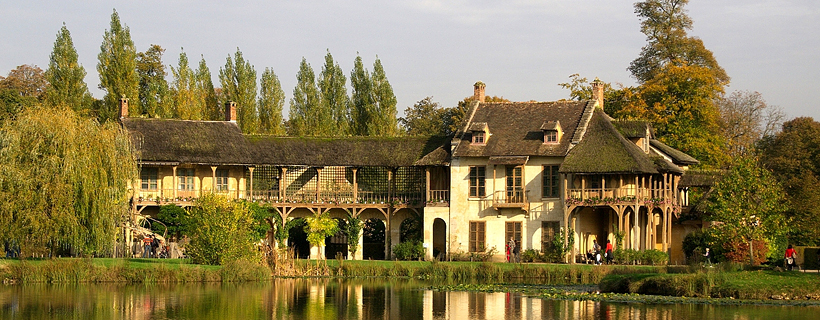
(334, 299)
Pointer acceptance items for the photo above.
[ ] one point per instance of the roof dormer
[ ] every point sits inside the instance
(552, 132)
(480, 133)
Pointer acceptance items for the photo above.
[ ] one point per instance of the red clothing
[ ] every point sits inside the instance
(608, 247)
(789, 253)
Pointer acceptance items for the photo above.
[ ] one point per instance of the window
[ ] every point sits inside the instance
(550, 183)
(513, 230)
(549, 230)
(477, 181)
(221, 180)
(185, 177)
(515, 187)
(149, 178)
(478, 137)
(550, 136)
(477, 233)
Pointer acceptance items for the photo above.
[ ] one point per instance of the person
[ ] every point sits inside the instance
(596, 248)
(507, 251)
(590, 257)
(154, 246)
(609, 248)
(146, 241)
(511, 245)
(790, 258)
(515, 253)
(707, 258)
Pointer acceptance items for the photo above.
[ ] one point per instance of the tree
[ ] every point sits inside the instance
(117, 66)
(271, 101)
(425, 118)
(307, 118)
(23, 88)
(319, 227)
(221, 231)
(333, 91)
(184, 91)
(64, 180)
(745, 118)
(384, 120)
(206, 94)
(65, 75)
(153, 88)
(238, 79)
(793, 155)
(749, 204)
(363, 105)
(354, 231)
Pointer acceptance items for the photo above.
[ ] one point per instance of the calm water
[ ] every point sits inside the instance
(335, 299)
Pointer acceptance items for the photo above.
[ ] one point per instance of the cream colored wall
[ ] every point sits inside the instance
(203, 180)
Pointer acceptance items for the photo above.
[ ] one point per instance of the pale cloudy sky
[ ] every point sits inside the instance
(520, 49)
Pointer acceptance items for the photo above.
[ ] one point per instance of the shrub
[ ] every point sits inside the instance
(531, 255)
(654, 257)
(409, 250)
(221, 232)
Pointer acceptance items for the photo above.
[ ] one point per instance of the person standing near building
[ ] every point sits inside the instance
(511, 246)
(790, 257)
(146, 248)
(707, 258)
(608, 252)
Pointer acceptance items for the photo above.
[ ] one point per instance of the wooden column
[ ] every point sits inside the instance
(583, 187)
(283, 181)
(318, 184)
(175, 183)
(427, 184)
(355, 185)
(213, 179)
(250, 192)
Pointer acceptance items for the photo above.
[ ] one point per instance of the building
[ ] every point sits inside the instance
(515, 170)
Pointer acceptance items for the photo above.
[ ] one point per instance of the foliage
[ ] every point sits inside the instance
(63, 179)
(238, 79)
(425, 118)
(334, 97)
(694, 245)
(175, 218)
(748, 203)
(154, 94)
(22, 88)
(354, 230)
(409, 250)
(65, 76)
(362, 108)
(260, 215)
(384, 120)
(307, 117)
(318, 227)
(221, 231)
(271, 100)
(206, 94)
(531, 255)
(117, 67)
(745, 118)
(411, 229)
(559, 249)
(184, 92)
(793, 155)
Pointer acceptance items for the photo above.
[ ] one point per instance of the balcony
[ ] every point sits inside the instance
(146, 197)
(514, 197)
(625, 195)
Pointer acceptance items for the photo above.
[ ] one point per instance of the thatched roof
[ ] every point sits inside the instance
(515, 128)
(604, 150)
(699, 178)
(678, 157)
(632, 128)
(187, 141)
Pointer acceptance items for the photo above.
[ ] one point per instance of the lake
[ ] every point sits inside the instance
(336, 299)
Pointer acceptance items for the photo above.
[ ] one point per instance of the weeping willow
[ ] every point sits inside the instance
(63, 181)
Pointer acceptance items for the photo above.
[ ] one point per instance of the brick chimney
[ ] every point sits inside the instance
(123, 108)
(478, 91)
(230, 111)
(598, 92)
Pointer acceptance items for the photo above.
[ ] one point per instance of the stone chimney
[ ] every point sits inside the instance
(598, 92)
(123, 108)
(230, 111)
(478, 91)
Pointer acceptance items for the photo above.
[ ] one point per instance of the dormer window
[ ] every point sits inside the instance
(480, 133)
(478, 137)
(552, 132)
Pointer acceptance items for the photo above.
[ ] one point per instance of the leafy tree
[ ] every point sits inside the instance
(384, 120)
(271, 101)
(363, 105)
(154, 94)
(794, 156)
(334, 97)
(354, 230)
(23, 88)
(117, 67)
(64, 181)
(749, 204)
(184, 91)
(65, 75)
(425, 118)
(206, 94)
(221, 231)
(175, 219)
(745, 118)
(307, 117)
(238, 79)
(319, 227)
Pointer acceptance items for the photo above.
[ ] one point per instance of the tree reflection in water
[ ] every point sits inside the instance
(333, 299)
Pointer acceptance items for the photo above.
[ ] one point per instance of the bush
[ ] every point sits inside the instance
(531, 255)
(221, 232)
(654, 257)
(408, 250)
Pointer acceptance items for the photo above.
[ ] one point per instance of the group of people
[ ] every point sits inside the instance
(512, 251)
(597, 254)
(156, 247)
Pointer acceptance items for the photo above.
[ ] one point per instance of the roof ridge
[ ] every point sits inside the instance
(583, 124)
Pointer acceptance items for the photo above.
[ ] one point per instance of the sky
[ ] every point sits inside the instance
(521, 49)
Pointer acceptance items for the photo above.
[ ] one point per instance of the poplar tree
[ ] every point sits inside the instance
(238, 79)
(362, 103)
(384, 121)
(332, 85)
(117, 67)
(154, 95)
(184, 91)
(206, 93)
(271, 101)
(306, 116)
(65, 75)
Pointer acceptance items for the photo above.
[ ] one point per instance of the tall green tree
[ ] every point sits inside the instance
(65, 75)
(117, 66)
(385, 122)
(184, 90)
(238, 79)
(206, 94)
(154, 95)
(64, 180)
(333, 90)
(24, 87)
(271, 101)
(425, 118)
(307, 118)
(363, 104)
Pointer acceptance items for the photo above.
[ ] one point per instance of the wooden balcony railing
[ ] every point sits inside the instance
(513, 197)
(145, 197)
(599, 196)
